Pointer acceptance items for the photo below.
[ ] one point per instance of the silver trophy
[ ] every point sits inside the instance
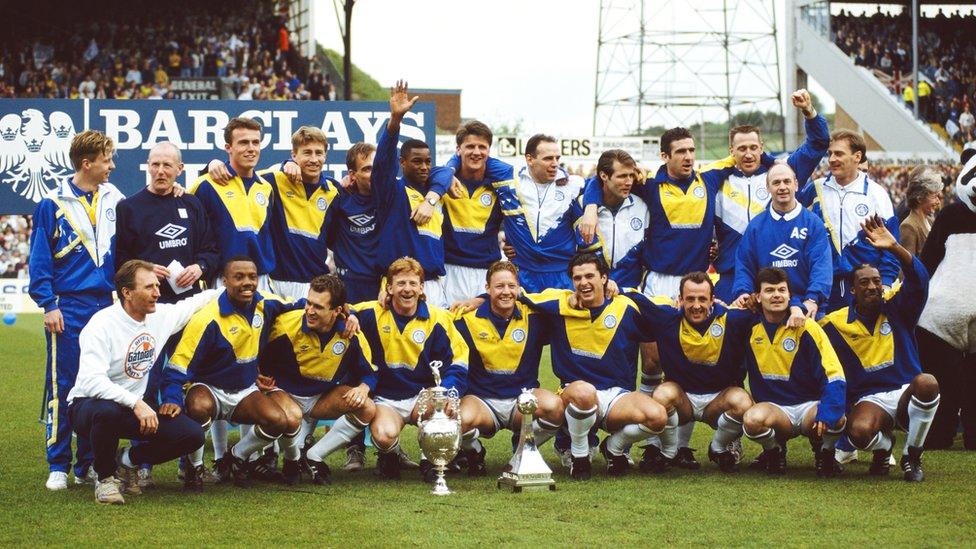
(527, 470)
(440, 435)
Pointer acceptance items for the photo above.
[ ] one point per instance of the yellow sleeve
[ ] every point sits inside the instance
(828, 357)
(192, 338)
(366, 349)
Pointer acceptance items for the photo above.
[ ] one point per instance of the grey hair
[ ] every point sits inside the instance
(923, 181)
(169, 145)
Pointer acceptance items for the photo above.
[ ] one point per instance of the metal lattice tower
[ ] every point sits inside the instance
(682, 62)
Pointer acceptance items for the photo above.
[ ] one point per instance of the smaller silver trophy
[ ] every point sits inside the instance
(440, 435)
(527, 470)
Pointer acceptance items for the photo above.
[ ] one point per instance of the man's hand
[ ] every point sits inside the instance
(612, 289)
(292, 171)
(461, 307)
(812, 308)
(877, 234)
(170, 410)
(346, 182)
(422, 213)
(162, 273)
(745, 301)
(509, 251)
(400, 102)
(178, 190)
(352, 326)
(797, 318)
(456, 189)
(819, 428)
(218, 172)
(356, 396)
(588, 223)
(54, 321)
(265, 383)
(802, 100)
(189, 276)
(148, 421)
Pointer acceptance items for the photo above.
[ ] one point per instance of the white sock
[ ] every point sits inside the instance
(830, 438)
(308, 426)
(649, 382)
(542, 431)
(766, 439)
(254, 440)
(196, 457)
(728, 430)
(684, 434)
(578, 423)
(881, 441)
(469, 440)
(218, 435)
(126, 462)
(619, 442)
(920, 415)
(669, 436)
(290, 444)
(345, 429)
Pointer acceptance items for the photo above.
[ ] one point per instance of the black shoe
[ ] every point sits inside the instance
(581, 468)
(776, 461)
(240, 470)
(685, 459)
(725, 460)
(266, 468)
(321, 474)
(911, 464)
(222, 469)
(653, 461)
(427, 471)
(881, 461)
(826, 464)
(193, 478)
(476, 462)
(616, 465)
(291, 472)
(388, 465)
(759, 464)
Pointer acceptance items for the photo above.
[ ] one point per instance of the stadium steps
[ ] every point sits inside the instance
(879, 114)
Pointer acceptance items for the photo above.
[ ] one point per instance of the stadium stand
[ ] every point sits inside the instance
(14, 234)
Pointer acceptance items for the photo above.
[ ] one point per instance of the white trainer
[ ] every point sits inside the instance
(843, 456)
(107, 491)
(91, 477)
(57, 480)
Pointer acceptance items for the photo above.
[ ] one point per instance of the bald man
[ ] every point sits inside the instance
(790, 237)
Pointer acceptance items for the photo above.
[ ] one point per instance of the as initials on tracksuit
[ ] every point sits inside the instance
(799, 232)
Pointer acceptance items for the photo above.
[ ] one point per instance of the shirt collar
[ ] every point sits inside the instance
(338, 325)
(788, 216)
(227, 307)
(859, 185)
(484, 311)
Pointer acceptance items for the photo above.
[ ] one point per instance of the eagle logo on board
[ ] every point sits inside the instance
(34, 151)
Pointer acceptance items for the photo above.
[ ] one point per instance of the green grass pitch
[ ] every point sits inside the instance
(678, 508)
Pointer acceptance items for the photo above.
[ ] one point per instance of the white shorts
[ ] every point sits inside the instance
(292, 290)
(605, 399)
(435, 293)
(306, 403)
(226, 401)
(264, 284)
(662, 284)
(887, 400)
(502, 411)
(797, 412)
(403, 408)
(699, 401)
(462, 283)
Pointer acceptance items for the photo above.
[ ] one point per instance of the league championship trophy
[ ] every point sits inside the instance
(440, 435)
(527, 470)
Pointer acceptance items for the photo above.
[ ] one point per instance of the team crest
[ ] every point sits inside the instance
(260, 199)
(789, 345)
(560, 196)
(518, 335)
(885, 328)
(34, 151)
(338, 348)
(861, 210)
(321, 204)
(762, 194)
(257, 321)
(610, 321)
(140, 355)
(110, 214)
(418, 336)
(716, 330)
(485, 200)
(636, 223)
(699, 192)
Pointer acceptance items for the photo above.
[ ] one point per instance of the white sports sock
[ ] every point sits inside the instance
(619, 442)
(766, 439)
(218, 435)
(291, 446)
(196, 457)
(254, 440)
(469, 440)
(126, 462)
(669, 436)
(684, 434)
(728, 430)
(542, 431)
(345, 429)
(881, 441)
(308, 426)
(649, 382)
(578, 423)
(830, 438)
(920, 415)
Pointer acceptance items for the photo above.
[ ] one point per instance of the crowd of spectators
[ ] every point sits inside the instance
(15, 231)
(947, 62)
(78, 52)
(893, 175)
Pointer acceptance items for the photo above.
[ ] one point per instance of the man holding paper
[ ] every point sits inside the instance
(171, 232)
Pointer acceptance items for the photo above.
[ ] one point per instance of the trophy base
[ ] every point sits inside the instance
(516, 483)
(519, 488)
(440, 487)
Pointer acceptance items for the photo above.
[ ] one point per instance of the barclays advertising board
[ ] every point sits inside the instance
(35, 135)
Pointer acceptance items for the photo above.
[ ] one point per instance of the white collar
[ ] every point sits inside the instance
(858, 185)
(788, 216)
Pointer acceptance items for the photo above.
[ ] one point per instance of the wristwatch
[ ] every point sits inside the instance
(432, 201)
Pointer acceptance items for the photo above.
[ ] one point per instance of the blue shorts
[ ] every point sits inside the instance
(359, 290)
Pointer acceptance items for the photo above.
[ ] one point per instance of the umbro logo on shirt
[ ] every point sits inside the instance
(170, 230)
(784, 252)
